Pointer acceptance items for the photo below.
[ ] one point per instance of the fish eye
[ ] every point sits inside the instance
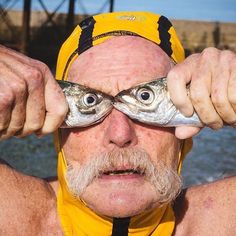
(90, 99)
(145, 95)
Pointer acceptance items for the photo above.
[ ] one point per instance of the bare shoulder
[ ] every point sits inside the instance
(28, 204)
(207, 209)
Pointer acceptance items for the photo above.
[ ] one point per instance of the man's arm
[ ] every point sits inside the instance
(207, 209)
(30, 102)
(28, 204)
(210, 207)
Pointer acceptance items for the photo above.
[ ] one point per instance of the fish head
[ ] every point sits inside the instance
(86, 106)
(147, 102)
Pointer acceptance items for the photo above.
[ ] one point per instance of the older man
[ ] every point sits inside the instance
(137, 163)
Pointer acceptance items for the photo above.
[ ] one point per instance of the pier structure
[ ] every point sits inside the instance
(25, 35)
(39, 32)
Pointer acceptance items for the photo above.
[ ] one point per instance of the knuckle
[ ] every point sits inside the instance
(210, 118)
(218, 100)
(34, 77)
(14, 128)
(19, 86)
(214, 122)
(231, 121)
(194, 56)
(19, 123)
(208, 56)
(39, 64)
(42, 67)
(62, 111)
(3, 125)
(33, 126)
(219, 105)
(6, 100)
(228, 58)
(228, 54)
(216, 126)
(173, 72)
(196, 96)
(9, 132)
(210, 51)
(232, 99)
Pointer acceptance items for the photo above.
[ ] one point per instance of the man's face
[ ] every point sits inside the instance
(141, 157)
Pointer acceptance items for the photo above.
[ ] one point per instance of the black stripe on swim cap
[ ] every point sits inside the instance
(85, 40)
(163, 28)
(67, 64)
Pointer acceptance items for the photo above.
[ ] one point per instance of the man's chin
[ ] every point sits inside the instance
(120, 198)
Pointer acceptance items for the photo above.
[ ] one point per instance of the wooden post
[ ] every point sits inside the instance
(25, 26)
(111, 5)
(70, 16)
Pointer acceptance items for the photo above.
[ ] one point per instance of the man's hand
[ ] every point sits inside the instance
(212, 78)
(30, 99)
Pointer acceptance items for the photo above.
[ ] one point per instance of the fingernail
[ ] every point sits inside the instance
(186, 112)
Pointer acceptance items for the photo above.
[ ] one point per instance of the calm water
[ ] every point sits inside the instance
(213, 156)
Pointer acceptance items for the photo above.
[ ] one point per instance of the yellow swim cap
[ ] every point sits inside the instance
(96, 29)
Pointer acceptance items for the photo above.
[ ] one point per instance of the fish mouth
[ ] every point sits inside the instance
(128, 103)
(131, 111)
(98, 118)
(125, 105)
(123, 96)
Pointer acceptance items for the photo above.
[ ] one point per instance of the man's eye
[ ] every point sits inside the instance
(90, 99)
(145, 95)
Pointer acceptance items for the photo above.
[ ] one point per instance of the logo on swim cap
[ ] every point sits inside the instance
(131, 18)
(127, 17)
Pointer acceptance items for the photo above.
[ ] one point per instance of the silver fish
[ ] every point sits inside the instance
(150, 103)
(86, 106)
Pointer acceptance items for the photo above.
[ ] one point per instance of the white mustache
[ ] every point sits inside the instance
(165, 180)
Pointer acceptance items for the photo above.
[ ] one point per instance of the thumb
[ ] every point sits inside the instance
(177, 79)
(183, 132)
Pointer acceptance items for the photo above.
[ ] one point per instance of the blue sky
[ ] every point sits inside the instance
(209, 10)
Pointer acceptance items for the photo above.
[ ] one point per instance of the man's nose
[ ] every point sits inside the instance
(120, 130)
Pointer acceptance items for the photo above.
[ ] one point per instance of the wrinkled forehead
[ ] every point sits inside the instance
(119, 63)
